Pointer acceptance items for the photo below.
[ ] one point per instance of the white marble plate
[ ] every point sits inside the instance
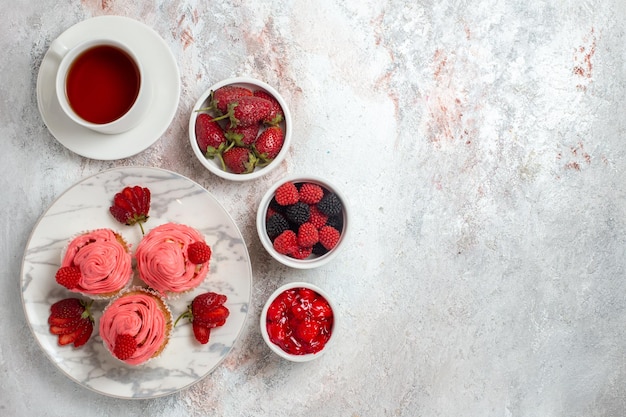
(175, 198)
(161, 73)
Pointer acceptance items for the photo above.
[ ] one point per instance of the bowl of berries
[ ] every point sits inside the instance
(298, 321)
(302, 221)
(240, 129)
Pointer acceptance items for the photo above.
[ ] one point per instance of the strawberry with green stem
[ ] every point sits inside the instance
(131, 206)
(206, 311)
(246, 111)
(71, 320)
(268, 144)
(210, 136)
(239, 160)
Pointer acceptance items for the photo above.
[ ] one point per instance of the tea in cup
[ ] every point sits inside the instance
(101, 85)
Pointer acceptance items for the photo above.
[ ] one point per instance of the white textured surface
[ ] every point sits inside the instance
(483, 150)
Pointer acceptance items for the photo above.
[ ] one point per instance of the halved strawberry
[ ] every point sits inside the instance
(201, 332)
(131, 205)
(206, 311)
(71, 320)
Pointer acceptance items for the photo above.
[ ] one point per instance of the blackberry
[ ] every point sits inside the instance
(298, 213)
(275, 225)
(336, 222)
(275, 206)
(319, 249)
(330, 204)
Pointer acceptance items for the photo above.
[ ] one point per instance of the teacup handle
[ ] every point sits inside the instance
(58, 49)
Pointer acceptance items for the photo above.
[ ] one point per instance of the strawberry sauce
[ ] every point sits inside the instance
(300, 321)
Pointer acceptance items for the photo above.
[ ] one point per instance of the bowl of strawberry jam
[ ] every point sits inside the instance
(298, 322)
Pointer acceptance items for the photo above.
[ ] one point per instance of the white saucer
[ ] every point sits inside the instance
(162, 74)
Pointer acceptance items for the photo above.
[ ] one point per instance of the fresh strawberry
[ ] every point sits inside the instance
(125, 346)
(269, 143)
(286, 243)
(215, 317)
(243, 135)
(206, 311)
(65, 310)
(209, 308)
(287, 194)
(246, 111)
(131, 205)
(276, 113)
(68, 276)
(307, 235)
(209, 135)
(238, 160)
(71, 320)
(329, 237)
(199, 252)
(310, 193)
(220, 98)
(201, 332)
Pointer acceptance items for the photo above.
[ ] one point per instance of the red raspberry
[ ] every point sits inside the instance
(125, 346)
(68, 276)
(287, 194)
(317, 218)
(286, 243)
(311, 193)
(198, 252)
(307, 235)
(329, 237)
(302, 252)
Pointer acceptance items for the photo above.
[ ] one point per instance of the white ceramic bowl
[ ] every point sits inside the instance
(312, 261)
(277, 349)
(214, 164)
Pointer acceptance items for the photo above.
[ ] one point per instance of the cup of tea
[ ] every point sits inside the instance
(101, 85)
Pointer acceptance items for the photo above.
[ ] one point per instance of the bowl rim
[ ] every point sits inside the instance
(263, 318)
(267, 243)
(210, 164)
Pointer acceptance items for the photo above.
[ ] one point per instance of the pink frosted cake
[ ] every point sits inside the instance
(96, 263)
(173, 258)
(135, 326)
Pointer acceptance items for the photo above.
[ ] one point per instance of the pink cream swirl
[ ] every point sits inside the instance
(105, 264)
(143, 316)
(162, 259)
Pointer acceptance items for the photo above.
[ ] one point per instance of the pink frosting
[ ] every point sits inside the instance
(105, 264)
(162, 259)
(137, 314)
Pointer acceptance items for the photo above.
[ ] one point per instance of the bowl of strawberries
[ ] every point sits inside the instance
(302, 221)
(240, 129)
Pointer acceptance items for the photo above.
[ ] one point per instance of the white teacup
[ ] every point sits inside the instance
(101, 85)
